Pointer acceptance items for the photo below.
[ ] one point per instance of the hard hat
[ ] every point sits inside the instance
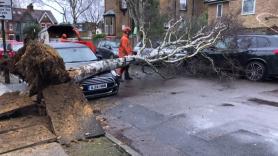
(126, 30)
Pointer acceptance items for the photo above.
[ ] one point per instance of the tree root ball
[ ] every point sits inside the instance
(40, 66)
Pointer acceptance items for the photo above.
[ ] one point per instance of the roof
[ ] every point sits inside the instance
(20, 13)
(109, 13)
(58, 45)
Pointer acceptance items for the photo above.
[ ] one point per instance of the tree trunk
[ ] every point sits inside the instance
(101, 66)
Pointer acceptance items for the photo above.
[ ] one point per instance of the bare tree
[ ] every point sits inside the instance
(268, 20)
(136, 10)
(78, 7)
(94, 14)
(68, 8)
(20, 3)
(61, 6)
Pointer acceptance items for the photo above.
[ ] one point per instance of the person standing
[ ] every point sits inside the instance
(125, 49)
(63, 38)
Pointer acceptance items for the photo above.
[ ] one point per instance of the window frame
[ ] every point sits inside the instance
(217, 10)
(110, 25)
(248, 13)
(43, 25)
(182, 2)
(11, 28)
(268, 42)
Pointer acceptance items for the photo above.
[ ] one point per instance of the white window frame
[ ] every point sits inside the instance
(11, 28)
(110, 27)
(182, 2)
(247, 13)
(217, 11)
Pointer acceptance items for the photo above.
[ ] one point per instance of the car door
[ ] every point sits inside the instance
(265, 52)
(220, 53)
(247, 47)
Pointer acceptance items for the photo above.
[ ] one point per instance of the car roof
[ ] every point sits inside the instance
(268, 36)
(58, 45)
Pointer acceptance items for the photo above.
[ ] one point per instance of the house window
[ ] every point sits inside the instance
(248, 7)
(219, 10)
(42, 25)
(123, 5)
(11, 28)
(183, 4)
(167, 25)
(110, 25)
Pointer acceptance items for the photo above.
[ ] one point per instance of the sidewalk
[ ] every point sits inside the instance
(13, 86)
(102, 146)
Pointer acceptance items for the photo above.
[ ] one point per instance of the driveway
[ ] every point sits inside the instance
(194, 117)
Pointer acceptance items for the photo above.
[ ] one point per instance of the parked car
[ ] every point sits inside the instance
(255, 55)
(139, 46)
(146, 51)
(108, 49)
(12, 47)
(76, 55)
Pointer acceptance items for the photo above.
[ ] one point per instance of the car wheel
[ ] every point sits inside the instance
(116, 91)
(255, 71)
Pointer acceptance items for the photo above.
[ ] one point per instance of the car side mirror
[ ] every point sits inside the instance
(99, 57)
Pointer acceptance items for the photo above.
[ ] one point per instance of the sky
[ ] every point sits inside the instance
(58, 16)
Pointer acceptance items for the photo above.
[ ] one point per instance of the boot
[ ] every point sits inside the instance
(127, 77)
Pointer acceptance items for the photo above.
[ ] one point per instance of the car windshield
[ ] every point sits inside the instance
(73, 54)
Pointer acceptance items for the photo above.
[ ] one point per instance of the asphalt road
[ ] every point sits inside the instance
(194, 117)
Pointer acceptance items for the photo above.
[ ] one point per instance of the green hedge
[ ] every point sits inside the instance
(99, 36)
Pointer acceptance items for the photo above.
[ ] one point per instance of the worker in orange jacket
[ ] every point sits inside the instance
(63, 38)
(125, 49)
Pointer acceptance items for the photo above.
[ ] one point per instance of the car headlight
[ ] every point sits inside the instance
(113, 72)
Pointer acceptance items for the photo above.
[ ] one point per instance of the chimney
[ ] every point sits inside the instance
(30, 8)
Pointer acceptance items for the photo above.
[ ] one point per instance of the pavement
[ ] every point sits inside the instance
(194, 117)
(102, 146)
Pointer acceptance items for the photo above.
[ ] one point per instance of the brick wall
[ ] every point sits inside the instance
(120, 18)
(172, 8)
(249, 21)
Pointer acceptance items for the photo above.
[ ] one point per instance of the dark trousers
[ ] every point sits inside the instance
(125, 71)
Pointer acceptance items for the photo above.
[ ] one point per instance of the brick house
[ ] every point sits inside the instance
(246, 11)
(116, 15)
(23, 17)
(185, 8)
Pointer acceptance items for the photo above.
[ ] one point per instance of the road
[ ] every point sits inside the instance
(194, 117)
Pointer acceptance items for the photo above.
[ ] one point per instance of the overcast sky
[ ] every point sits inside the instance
(58, 16)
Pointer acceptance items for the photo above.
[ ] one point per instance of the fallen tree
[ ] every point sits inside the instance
(71, 115)
(190, 47)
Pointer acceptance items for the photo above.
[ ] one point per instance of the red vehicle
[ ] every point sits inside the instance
(12, 47)
(55, 32)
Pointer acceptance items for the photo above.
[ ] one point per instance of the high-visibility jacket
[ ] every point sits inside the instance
(125, 48)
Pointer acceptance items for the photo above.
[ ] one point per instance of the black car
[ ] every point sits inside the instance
(108, 49)
(76, 55)
(256, 56)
